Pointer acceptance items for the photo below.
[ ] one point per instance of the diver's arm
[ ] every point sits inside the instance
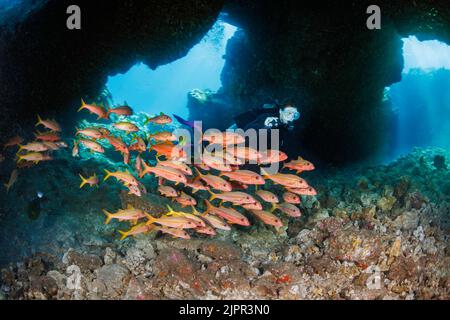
(232, 127)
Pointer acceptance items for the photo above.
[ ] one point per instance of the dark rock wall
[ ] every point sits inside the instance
(46, 68)
(323, 56)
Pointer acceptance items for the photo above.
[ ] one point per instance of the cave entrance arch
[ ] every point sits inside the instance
(421, 100)
(166, 88)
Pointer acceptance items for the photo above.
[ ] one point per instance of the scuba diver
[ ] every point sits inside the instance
(270, 116)
(277, 115)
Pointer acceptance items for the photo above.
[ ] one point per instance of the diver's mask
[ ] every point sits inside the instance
(289, 114)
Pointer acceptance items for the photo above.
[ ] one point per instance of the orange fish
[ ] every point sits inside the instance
(52, 146)
(267, 196)
(205, 230)
(245, 176)
(214, 221)
(167, 191)
(35, 157)
(291, 198)
(139, 145)
(224, 138)
(231, 215)
(235, 197)
(245, 153)
(138, 164)
(126, 126)
(185, 200)
(128, 214)
(308, 191)
(164, 172)
(214, 162)
(176, 165)
(287, 180)
(299, 165)
(89, 132)
(202, 166)
(94, 109)
(195, 218)
(12, 179)
(272, 156)
(34, 146)
(47, 136)
(137, 229)
(49, 124)
(120, 111)
(287, 208)
(123, 176)
(196, 185)
(105, 132)
(92, 145)
(163, 136)
(238, 185)
(253, 206)
(160, 119)
(168, 149)
(92, 181)
(267, 218)
(174, 232)
(215, 182)
(173, 222)
(117, 143)
(14, 141)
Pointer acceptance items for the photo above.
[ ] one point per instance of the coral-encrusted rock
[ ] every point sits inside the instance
(402, 268)
(113, 276)
(386, 203)
(360, 246)
(220, 250)
(408, 220)
(86, 262)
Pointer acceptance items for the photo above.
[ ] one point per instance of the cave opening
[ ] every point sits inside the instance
(166, 88)
(421, 100)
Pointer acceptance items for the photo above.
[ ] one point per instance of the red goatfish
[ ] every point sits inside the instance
(137, 229)
(94, 109)
(308, 191)
(34, 157)
(13, 142)
(291, 198)
(245, 176)
(126, 126)
(267, 196)
(235, 197)
(299, 165)
(89, 132)
(231, 215)
(92, 145)
(163, 136)
(214, 162)
(185, 200)
(128, 214)
(173, 222)
(245, 153)
(223, 138)
(288, 209)
(49, 124)
(196, 219)
(92, 181)
(267, 218)
(168, 149)
(206, 230)
(123, 176)
(160, 119)
(253, 206)
(117, 143)
(164, 172)
(139, 145)
(196, 185)
(168, 191)
(174, 232)
(176, 165)
(272, 156)
(120, 111)
(287, 180)
(34, 146)
(47, 136)
(215, 182)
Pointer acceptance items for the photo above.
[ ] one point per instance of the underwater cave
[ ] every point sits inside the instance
(99, 202)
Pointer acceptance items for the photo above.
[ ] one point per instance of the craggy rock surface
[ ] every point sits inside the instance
(349, 244)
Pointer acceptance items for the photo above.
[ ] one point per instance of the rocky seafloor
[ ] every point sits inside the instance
(377, 232)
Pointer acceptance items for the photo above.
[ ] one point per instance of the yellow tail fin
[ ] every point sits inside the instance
(82, 105)
(274, 207)
(39, 121)
(83, 181)
(124, 234)
(108, 174)
(213, 195)
(109, 216)
(20, 147)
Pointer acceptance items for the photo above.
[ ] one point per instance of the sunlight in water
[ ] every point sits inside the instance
(166, 88)
(425, 55)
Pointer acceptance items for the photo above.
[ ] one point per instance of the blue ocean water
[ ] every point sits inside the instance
(166, 87)
(421, 100)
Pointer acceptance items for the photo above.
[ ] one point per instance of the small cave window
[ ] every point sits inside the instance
(166, 88)
(421, 100)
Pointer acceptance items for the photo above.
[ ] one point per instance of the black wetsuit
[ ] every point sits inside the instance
(257, 119)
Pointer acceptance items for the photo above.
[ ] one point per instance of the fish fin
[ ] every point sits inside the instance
(39, 121)
(108, 216)
(20, 147)
(256, 187)
(124, 234)
(213, 195)
(83, 181)
(108, 174)
(274, 207)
